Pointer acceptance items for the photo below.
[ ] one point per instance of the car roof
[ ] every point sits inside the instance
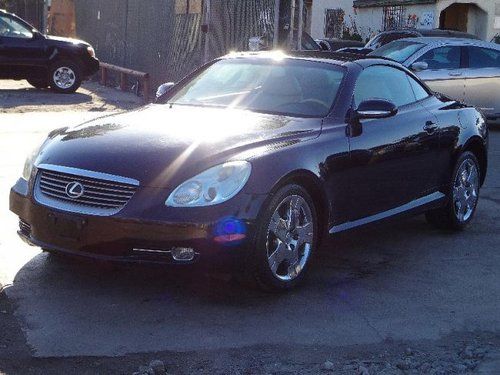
(334, 58)
(435, 41)
(432, 32)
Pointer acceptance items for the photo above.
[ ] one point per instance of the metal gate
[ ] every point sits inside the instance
(394, 17)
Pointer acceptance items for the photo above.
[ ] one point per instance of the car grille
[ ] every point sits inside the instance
(24, 228)
(97, 193)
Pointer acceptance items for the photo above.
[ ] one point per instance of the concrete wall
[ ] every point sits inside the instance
(369, 21)
(481, 21)
(319, 8)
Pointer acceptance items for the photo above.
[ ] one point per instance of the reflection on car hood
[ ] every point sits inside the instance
(159, 145)
(66, 40)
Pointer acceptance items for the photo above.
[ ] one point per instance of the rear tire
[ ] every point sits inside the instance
(462, 196)
(287, 236)
(65, 76)
(38, 83)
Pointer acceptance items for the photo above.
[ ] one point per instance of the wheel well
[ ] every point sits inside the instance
(477, 148)
(312, 184)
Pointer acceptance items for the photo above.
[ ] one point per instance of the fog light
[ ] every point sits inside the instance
(183, 254)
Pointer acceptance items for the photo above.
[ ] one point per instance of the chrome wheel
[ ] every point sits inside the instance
(290, 237)
(465, 190)
(64, 77)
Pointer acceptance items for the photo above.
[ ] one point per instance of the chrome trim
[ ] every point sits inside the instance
(138, 250)
(91, 174)
(385, 214)
(98, 199)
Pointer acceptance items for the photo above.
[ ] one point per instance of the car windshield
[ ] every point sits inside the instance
(279, 86)
(398, 50)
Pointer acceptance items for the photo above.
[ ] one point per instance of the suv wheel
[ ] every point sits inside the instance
(65, 77)
(463, 195)
(286, 238)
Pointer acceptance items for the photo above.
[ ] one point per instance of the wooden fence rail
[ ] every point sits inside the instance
(124, 73)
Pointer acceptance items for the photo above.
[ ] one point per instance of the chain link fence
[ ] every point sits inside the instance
(170, 38)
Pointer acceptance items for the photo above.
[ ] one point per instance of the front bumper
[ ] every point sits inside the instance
(90, 66)
(221, 234)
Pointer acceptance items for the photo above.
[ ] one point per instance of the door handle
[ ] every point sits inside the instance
(430, 127)
(455, 74)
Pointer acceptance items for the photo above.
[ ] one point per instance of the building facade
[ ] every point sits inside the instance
(368, 17)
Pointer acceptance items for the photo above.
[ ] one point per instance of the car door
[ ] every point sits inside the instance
(21, 50)
(446, 72)
(482, 79)
(392, 158)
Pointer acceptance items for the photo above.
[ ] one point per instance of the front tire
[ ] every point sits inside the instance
(463, 195)
(65, 77)
(286, 239)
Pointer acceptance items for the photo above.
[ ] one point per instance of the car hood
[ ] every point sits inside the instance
(161, 146)
(61, 40)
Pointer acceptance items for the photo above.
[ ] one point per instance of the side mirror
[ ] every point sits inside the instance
(419, 66)
(36, 34)
(323, 46)
(376, 108)
(164, 88)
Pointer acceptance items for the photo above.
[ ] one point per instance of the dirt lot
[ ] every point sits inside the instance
(392, 299)
(20, 97)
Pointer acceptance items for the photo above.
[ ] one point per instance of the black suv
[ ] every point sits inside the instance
(25, 53)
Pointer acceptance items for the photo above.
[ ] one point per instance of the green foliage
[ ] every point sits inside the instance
(351, 35)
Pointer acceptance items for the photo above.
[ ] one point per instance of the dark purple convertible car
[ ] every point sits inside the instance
(254, 158)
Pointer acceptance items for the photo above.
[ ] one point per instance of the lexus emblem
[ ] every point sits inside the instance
(74, 190)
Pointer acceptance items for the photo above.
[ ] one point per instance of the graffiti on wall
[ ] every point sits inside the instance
(427, 20)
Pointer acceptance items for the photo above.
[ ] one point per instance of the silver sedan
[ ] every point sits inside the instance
(464, 69)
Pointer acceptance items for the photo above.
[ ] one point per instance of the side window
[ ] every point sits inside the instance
(442, 58)
(384, 82)
(419, 90)
(483, 57)
(10, 28)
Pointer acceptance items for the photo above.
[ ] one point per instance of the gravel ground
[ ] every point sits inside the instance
(458, 353)
(21, 97)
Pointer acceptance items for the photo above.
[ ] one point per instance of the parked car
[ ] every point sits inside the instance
(44, 60)
(334, 44)
(253, 158)
(386, 37)
(464, 69)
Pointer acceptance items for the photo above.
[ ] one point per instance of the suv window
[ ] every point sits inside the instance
(442, 58)
(384, 82)
(483, 57)
(11, 28)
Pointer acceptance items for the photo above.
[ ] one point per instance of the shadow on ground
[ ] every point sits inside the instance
(19, 96)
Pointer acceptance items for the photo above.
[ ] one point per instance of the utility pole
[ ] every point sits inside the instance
(206, 29)
(301, 25)
(45, 16)
(276, 35)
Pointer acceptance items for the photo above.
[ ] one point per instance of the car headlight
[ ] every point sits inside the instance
(30, 163)
(214, 186)
(91, 51)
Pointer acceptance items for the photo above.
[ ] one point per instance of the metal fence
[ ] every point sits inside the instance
(30, 10)
(170, 38)
(394, 17)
